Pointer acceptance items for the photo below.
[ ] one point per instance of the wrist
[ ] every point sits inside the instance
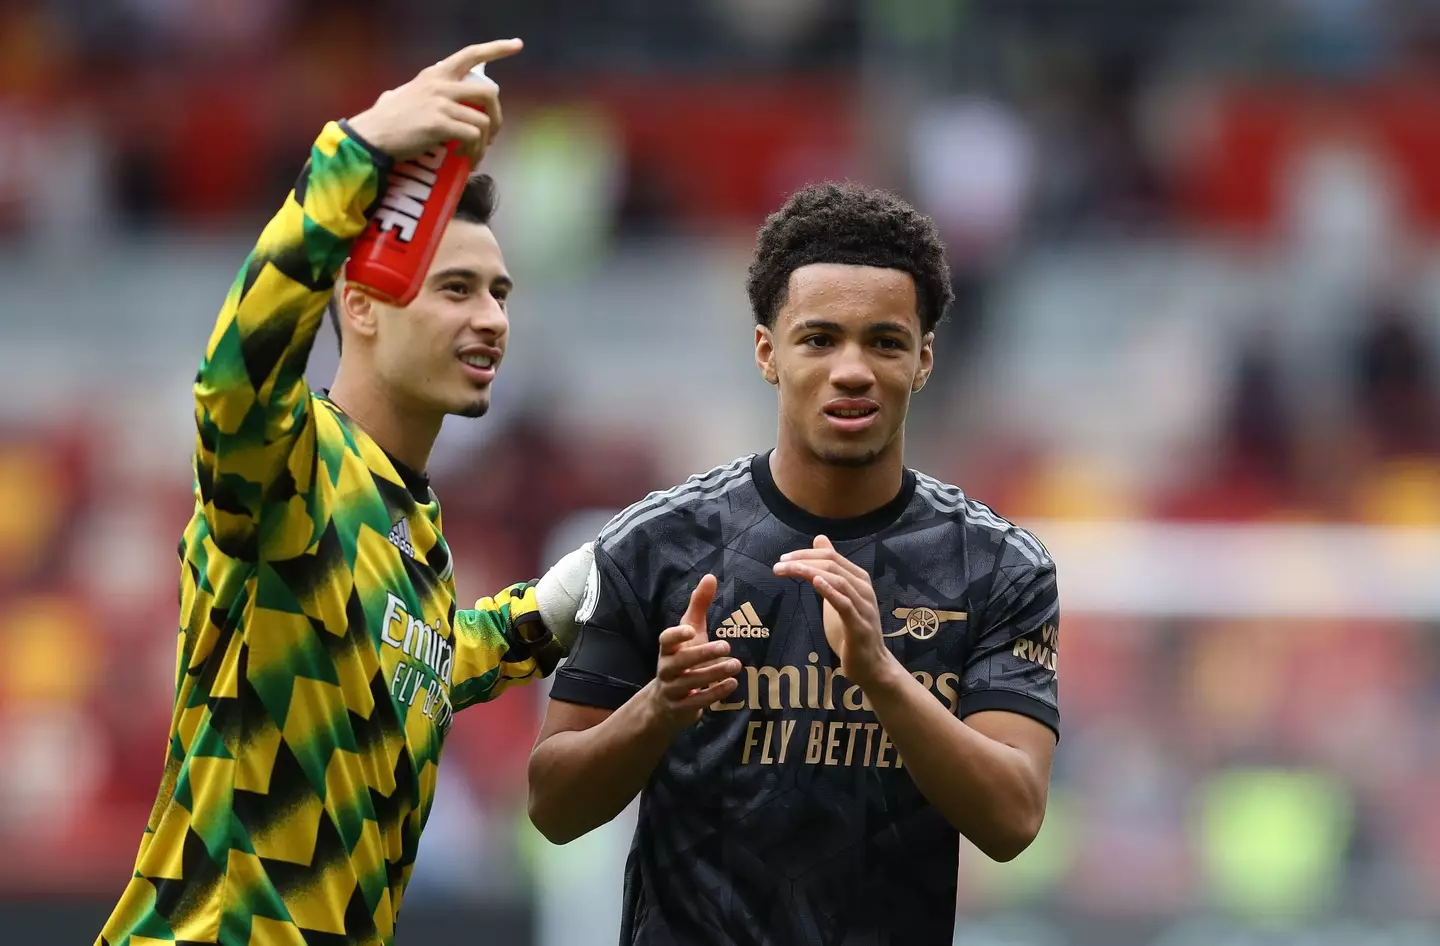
(882, 673)
(357, 129)
(655, 718)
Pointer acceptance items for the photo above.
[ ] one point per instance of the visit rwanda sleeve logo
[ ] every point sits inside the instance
(1044, 652)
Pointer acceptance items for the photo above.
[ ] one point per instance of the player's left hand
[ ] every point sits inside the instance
(851, 613)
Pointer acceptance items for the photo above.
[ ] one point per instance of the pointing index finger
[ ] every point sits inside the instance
(457, 64)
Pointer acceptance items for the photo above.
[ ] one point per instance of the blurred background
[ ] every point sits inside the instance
(1196, 348)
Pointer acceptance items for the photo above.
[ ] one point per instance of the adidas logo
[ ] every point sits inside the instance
(743, 623)
(400, 537)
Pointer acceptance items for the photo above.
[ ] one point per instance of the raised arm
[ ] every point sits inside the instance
(255, 432)
(255, 443)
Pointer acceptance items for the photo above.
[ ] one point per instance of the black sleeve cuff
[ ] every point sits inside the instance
(1011, 702)
(590, 689)
(382, 160)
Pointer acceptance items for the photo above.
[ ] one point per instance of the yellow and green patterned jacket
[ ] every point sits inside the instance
(320, 654)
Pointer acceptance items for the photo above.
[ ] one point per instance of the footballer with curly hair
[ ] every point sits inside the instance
(817, 667)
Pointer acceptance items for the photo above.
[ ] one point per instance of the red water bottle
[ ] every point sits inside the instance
(392, 255)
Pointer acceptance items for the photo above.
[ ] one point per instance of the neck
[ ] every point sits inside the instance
(834, 491)
(402, 431)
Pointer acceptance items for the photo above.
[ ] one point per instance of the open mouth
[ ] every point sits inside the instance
(479, 365)
(850, 415)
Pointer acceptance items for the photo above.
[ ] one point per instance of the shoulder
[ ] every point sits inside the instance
(984, 530)
(331, 419)
(649, 549)
(338, 438)
(666, 515)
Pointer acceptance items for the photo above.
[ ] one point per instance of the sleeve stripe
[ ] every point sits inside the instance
(699, 486)
(948, 500)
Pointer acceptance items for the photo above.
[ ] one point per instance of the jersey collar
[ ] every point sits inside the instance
(808, 523)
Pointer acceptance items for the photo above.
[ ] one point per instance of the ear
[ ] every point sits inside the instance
(927, 362)
(358, 310)
(765, 354)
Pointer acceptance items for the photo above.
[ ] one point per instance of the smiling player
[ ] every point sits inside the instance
(321, 655)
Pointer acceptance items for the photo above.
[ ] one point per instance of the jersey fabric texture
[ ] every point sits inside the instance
(320, 654)
(785, 815)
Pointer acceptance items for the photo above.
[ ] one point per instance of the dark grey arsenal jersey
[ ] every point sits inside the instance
(785, 815)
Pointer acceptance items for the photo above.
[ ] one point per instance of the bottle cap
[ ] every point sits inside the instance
(478, 75)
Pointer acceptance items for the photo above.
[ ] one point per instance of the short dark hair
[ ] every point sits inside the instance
(478, 200)
(851, 224)
(477, 204)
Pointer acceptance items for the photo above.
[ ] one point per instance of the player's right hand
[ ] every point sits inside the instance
(435, 107)
(693, 671)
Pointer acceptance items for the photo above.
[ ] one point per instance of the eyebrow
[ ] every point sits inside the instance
(461, 272)
(875, 328)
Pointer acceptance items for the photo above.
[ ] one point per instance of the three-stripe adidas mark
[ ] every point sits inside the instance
(744, 622)
(400, 537)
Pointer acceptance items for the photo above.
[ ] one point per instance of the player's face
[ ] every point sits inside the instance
(441, 352)
(846, 352)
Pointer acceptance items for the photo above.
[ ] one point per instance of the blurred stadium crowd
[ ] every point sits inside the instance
(1193, 244)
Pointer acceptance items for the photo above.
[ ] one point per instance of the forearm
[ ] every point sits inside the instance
(256, 355)
(988, 790)
(583, 779)
(500, 643)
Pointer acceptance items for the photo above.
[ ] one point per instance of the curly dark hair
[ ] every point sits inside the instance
(848, 223)
(477, 204)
